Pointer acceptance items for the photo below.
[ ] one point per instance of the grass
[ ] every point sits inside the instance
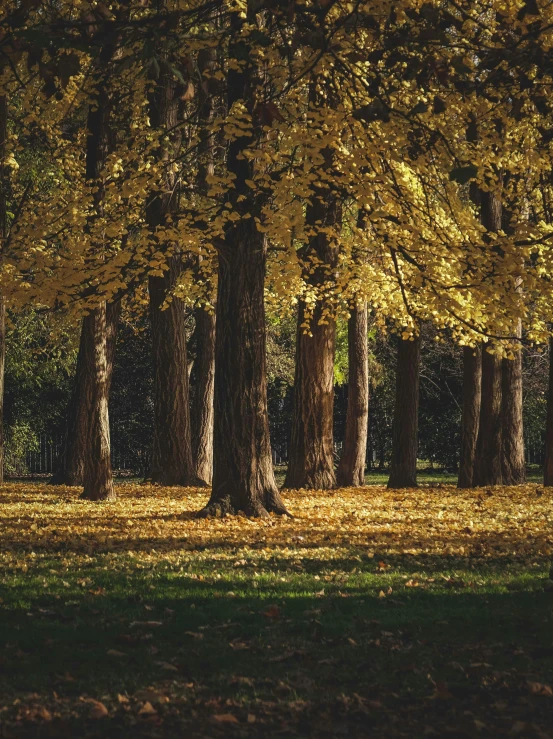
(372, 613)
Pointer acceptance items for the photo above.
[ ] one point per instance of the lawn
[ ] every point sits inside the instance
(372, 613)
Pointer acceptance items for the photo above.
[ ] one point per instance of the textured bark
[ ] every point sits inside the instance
(351, 470)
(172, 450)
(98, 481)
(202, 406)
(403, 467)
(489, 445)
(2, 372)
(311, 453)
(4, 173)
(472, 394)
(548, 463)
(243, 477)
(488, 452)
(513, 462)
(71, 464)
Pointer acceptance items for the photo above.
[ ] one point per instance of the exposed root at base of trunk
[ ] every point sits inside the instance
(107, 497)
(224, 507)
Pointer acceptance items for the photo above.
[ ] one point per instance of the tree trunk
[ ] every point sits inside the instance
(403, 467)
(513, 462)
(2, 374)
(243, 477)
(71, 464)
(172, 446)
(98, 481)
(202, 406)
(4, 172)
(351, 470)
(311, 455)
(172, 450)
(548, 462)
(488, 449)
(472, 394)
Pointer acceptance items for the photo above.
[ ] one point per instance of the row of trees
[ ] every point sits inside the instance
(329, 157)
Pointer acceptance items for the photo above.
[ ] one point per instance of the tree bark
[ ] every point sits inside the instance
(243, 477)
(472, 394)
(172, 446)
(3, 235)
(311, 454)
(172, 449)
(513, 462)
(489, 444)
(488, 447)
(71, 463)
(403, 467)
(202, 406)
(98, 481)
(548, 462)
(351, 470)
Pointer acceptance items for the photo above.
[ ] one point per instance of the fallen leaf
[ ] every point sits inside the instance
(147, 710)
(225, 718)
(272, 612)
(540, 689)
(97, 710)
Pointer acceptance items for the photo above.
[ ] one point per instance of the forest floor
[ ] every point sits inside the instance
(372, 613)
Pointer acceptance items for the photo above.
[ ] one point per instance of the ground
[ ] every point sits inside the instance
(372, 613)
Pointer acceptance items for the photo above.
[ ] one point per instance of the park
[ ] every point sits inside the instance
(276, 369)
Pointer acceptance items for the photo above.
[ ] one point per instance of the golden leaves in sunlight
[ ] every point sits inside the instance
(151, 522)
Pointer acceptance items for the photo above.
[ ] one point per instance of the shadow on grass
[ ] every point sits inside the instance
(300, 663)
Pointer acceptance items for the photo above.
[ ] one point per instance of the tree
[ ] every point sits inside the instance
(548, 463)
(98, 480)
(472, 398)
(403, 466)
(172, 450)
(513, 462)
(71, 464)
(172, 462)
(3, 235)
(311, 454)
(243, 477)
(202, 404)
(351, 469)
(489, 445)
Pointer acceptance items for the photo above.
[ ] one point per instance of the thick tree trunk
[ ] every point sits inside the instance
(403, 467)
(172, 451)
(2, 373)
(513, 462)
(548, 462)
(311, 454)
(71, 464)
(351, 470)
(98, 481)
(202, 406)
(4, 171)
(172, 447)
(488, 450)
(472, 393)
(243, 477)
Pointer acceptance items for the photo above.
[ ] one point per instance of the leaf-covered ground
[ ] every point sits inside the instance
(372, 613)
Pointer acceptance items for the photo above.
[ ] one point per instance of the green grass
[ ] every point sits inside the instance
(323, 644)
